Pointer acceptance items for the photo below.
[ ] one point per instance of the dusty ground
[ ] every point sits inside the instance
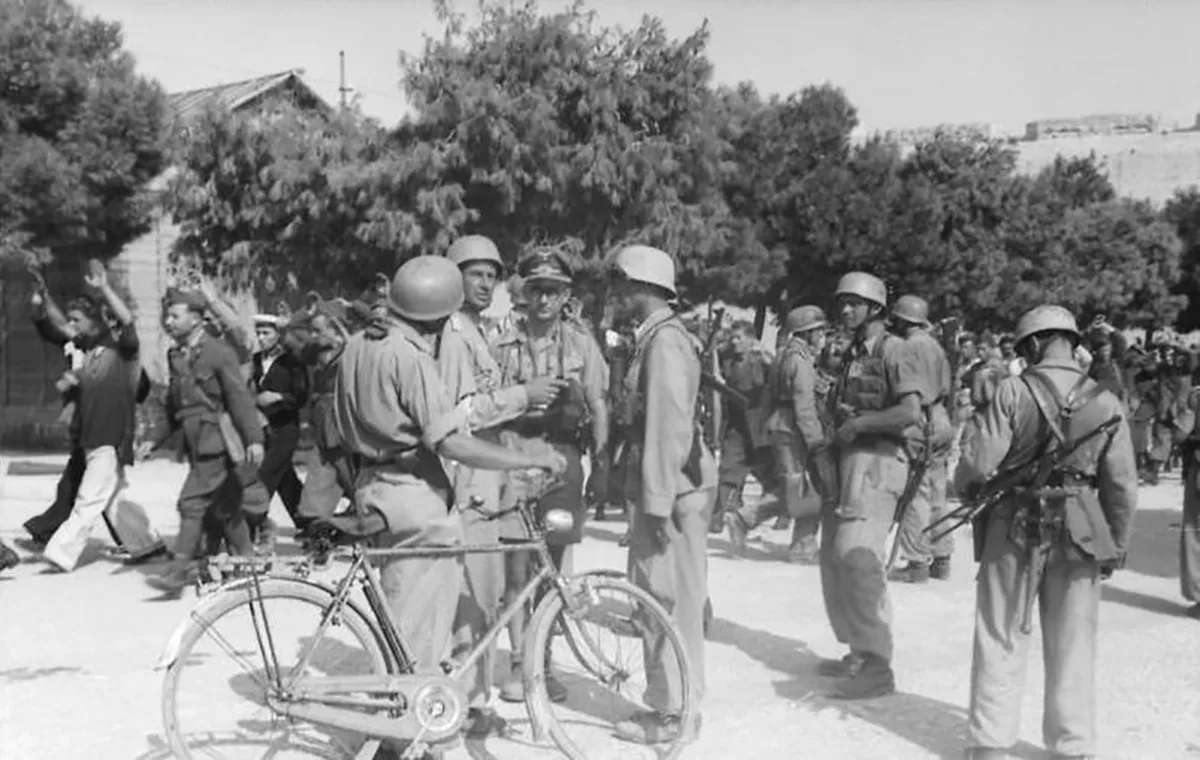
(77, 652)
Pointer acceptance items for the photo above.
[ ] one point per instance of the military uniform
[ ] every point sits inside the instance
(1083, 530)
(677, 479)
(745, 449)
(930, 364)
(472, 379)
(570, 352)
(796, 427)
(205, 386)
(329, 476)
(392, 411)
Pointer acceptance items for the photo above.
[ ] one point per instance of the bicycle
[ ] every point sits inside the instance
(389, 702)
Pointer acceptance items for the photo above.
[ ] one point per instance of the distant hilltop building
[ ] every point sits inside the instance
(977, 131)
(1085, 126)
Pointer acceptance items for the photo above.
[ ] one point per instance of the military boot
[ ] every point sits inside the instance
(940, 569)
(178, 575)
(910, 573)
(847, 667)
(8, 557)
(804, 549)
(874, 679)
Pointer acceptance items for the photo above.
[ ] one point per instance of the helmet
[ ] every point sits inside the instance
(473, 248)
(863, 285)
(641, 263)
(425, 289)
(1043, 318)
(911, 309)
(804, 318)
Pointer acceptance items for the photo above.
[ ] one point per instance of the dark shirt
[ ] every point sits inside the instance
(107, 394)
(288, 377)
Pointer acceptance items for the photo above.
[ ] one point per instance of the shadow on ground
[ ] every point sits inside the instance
(936, 726)
(1138, 600)
(1154, 544)
(33, 674)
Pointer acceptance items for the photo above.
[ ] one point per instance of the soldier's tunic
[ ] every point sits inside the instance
(931, 365)
(571, 353)
(472, 379)
(1189, 531)
(744, 450)
(664, 381)
(1094, 531)
(873, 470)
(797, 430)
(205, 383)
(392, 412)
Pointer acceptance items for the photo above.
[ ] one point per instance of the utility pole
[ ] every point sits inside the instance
(342, 88)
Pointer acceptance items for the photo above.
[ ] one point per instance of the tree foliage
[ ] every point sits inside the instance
(548, 128)
(81, 133)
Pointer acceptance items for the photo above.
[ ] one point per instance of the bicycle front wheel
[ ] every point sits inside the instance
(231, 656)
(618, 653)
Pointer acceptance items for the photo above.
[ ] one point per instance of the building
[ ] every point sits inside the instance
(29, 403)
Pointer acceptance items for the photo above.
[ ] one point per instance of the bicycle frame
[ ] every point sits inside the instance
(418, 707)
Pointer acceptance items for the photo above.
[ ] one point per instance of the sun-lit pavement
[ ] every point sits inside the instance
(77, 652)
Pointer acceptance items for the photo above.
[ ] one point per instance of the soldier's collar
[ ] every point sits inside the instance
(652, 321)
(1069, 365)
(414, 336)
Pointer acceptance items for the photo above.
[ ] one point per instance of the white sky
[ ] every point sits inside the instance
(904, 63)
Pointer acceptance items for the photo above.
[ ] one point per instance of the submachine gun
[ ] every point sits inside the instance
(1029, 479)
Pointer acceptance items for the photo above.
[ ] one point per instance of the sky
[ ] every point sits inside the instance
(903, 63)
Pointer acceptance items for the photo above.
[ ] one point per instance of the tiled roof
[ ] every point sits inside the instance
(186, 105)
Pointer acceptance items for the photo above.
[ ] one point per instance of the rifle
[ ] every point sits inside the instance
(1005, 482)
(712, 411)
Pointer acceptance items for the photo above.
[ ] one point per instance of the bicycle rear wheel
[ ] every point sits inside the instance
(614, 655)
(216, 686)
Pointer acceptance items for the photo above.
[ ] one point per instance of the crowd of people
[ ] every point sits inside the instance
(421, 410)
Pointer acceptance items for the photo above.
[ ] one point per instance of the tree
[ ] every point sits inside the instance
(559, 130)
(1182, 212)
(81, 133)
(294, 196)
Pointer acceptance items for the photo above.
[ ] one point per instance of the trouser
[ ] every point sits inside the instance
(928, 504)
(103, 479)
(788, 492)
(854, 574)
(1189, 535)
(328, 481)
(211, 497)
(677, 576)
(42, 526)
(483, 584)
(1069, 601)
(278, 473)
(421, 594)
(739, 458)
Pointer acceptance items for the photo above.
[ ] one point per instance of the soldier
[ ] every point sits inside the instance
(1050, 541)
(208, 398)
(796, 426)
(472, 378)
(543, 344)
(674, 486)
(280, 382)
(910, 319)
(878, 403)
(329, 477)
(398, 423)
(744, 448)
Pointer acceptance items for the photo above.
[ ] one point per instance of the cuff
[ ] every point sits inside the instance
(658, 505)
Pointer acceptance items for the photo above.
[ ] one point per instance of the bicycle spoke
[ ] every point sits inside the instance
(221, 641)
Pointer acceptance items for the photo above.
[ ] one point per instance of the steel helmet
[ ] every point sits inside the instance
(641, 263)
(472, 248)
(803, 318)
(426, 289)
(1043, 318)
(911, 309)
(865, 286)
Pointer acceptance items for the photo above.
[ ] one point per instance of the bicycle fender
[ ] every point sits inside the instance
(171, 651)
